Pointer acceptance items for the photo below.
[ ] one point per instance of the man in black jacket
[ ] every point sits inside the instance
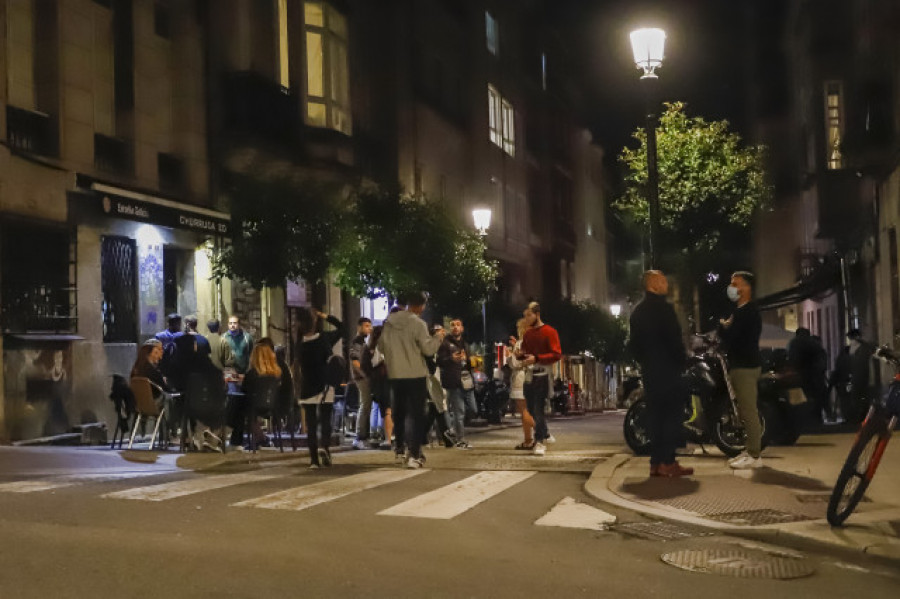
(657, 345)
(741, 333)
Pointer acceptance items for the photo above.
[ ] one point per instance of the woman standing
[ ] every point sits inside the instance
(316, 395)
(517, 386)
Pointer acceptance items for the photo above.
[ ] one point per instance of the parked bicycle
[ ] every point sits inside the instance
(868, 448)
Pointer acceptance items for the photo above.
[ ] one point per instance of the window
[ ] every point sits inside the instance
(834, 124)
(501, 121)
(492, 33)
(327, 69)
(284, 75)
(37, 278)
(118, 276)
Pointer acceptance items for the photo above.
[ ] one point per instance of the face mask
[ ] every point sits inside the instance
(733, 293)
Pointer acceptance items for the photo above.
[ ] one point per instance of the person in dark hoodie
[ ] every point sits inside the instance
(316, 395)
(405, 344)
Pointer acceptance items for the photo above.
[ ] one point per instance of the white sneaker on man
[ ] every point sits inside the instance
(746, 463)
(550, 439)
(539, 449)
(738, 457)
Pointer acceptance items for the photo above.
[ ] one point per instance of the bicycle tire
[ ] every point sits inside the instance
(858, 469)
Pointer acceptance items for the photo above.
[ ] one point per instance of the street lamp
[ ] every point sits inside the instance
(648, 46)
(482, 218)
(615, 310)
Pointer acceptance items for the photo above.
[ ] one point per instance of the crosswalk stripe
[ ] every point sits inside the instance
(568, 513)
(300, 498)
(33, 486)
(456, 498)
(181, 488)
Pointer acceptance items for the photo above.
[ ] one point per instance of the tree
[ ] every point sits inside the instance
(586, 327)
(710, 183)
(285, 229)
(399, 243)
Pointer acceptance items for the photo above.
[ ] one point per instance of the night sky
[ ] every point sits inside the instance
(708, 48)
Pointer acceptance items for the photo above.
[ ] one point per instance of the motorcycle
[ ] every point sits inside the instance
(710, 410)
(491, 397)
(559, 400)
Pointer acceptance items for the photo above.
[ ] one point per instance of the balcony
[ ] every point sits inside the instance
(32, 132)
(840, 203)
(260, 108)
(113, 155)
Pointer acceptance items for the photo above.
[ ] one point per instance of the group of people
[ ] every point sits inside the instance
(656, 342)
(423, 378)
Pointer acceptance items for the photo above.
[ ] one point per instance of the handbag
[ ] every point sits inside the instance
(468, 383)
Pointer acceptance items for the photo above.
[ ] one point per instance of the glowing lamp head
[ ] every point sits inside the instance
(648, 46)
(482, 217)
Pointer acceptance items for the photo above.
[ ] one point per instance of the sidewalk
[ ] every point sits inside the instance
(783, 502)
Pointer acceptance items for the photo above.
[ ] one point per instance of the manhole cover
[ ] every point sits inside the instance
(656, 531)
(740, 564)
(758, 517)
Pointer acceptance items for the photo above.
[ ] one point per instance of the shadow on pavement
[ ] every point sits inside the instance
(769, 476)
(654, 489)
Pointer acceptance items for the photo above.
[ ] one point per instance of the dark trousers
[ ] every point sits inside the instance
(318, 416)
(665, 405)
(409, 413)
(535, 401)
(432, 417)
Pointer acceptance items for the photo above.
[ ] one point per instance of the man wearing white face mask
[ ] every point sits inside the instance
(741, 333)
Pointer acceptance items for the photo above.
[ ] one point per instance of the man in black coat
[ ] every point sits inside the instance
(657, 345)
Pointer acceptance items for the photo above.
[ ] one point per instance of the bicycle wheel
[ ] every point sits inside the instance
(858, 470)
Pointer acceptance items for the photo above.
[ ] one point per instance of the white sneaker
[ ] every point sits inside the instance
(746, 463)
(539, 449)
(413, 463)
(550, 439)
(359, 444)
(738, 457)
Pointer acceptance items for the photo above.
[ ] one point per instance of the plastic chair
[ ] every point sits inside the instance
(123, 402)
(264, 401)
(205, 400)
(145, 406)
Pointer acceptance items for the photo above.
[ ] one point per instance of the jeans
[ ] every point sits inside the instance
(744, 381)
(460, 401)
(434, 417)
(365, 409)
(409, 409)
(535, 400)
(317, 415)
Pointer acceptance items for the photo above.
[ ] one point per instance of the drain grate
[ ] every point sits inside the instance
(820, 498)
(656, 531)
(741, 564)
(758, 517)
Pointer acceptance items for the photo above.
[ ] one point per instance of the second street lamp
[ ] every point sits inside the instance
(648, 46)
(482, 218)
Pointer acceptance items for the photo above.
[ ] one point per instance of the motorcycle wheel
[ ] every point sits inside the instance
(728, 432)
(636, 428)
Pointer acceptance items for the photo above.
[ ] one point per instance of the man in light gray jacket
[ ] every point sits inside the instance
(405, 342)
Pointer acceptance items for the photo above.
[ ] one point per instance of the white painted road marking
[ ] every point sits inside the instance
(300, 498)
(456, 498)
(189, 487)
(33, 486)
(59, 482)
(568, 513)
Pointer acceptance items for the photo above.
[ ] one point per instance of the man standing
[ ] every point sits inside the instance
(219, 350)
(540, 350)
(456, 378)
(361, 380)
(405, 342)
(190, 327)
(808, 359)
(240, 343)
(167, 338)
(657, 345)
(741, 333)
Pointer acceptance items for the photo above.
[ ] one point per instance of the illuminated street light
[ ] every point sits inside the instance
(482, 217)
(615, 310)
(648, 46)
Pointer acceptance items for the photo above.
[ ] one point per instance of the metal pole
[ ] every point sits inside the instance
(653, 189)
(484, 328)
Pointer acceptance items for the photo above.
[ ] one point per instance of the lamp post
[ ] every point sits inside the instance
(482, 218)
(615, 310)
(648, 46)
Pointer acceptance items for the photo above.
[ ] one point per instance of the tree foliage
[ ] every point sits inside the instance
(710, 183)
(285, 229)
(586, 327)
(399, 243)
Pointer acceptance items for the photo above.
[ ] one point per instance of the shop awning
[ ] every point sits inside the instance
(824, 280)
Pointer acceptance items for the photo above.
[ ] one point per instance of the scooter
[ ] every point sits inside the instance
(710, 409)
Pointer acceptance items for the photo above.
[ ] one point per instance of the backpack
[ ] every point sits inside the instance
(336, 371)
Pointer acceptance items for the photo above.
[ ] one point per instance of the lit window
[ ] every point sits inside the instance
(284, 76)
(492, 31)
(327, 70)
(834, 125)
(501, 121)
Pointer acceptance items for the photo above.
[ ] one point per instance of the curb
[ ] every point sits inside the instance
(604, 475)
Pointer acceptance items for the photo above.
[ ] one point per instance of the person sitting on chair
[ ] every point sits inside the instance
(147, 364)
(263, 364)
